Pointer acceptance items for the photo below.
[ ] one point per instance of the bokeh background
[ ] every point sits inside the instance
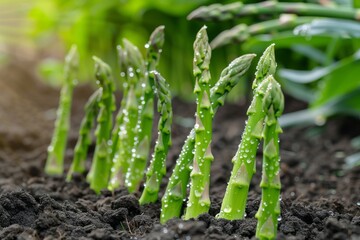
(318, 55)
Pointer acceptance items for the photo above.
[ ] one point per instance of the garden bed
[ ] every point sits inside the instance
(319, 199)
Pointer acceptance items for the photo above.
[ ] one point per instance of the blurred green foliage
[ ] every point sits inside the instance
(97, 27)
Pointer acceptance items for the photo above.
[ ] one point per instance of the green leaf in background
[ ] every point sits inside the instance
(346, 104)
(337, 79)
(312, 53)
(341, 80)
(331, 27)
(298, 91)
(303, 76)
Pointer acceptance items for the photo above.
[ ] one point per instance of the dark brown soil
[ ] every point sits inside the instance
(319, 199)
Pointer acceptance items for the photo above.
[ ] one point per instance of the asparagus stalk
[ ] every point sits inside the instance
(124, 65)
(242, 32)
(157, 168)
(143, 129)
(101, 161)
(199, 200)
(219, 12)
(84, 140)
(56, 150)
(234, 201)
(176, 189)
(267, 215)
(126, 129)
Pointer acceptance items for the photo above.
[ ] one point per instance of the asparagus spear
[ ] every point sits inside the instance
(199, 200)
(56, 150)
(219, 12)
(126, 129)
(101, 161)
(124, 65)
(84, 140)
(269, 210)
(242, 32)
(157, 168)
(234, 201)
(177, 186)
(143, 129)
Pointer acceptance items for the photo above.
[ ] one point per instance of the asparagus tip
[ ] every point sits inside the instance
(266, 66)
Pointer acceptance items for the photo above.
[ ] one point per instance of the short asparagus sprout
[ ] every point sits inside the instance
(128, 118)
(199, 199)
(101, 162)
(234, 202)
(143, 129)
(84, 140)
(176, 190)
(157, 168)
(269, 210)
(56, 150)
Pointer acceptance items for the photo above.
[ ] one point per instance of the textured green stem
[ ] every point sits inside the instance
(56, 150)
(126, 128)
(242, 32)
(157, 168)
(119, 120)
(143, 129)
(176, 189)
(234, 201)
(101, 161)
(269, 210)
(219, 12)
(199, 199)
(84, 140)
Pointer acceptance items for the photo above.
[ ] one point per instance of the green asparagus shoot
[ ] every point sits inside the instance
(127, 120)
(84, 140)
(176, 190)
(243, 32)
(157, 168)
(101, 162)
(119, 121)
(234, 202)
(219, 12)
(143, 129)
(56, 150)
(269, 210)
(199, 199)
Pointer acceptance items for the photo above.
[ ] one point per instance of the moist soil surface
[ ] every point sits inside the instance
(320, 200)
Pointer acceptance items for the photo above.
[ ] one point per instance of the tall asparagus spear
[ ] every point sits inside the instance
(143, 129)
(177, 186)
(199, 199)
(157, 168)
(56, 150)
(269, 210)
(84, 140)
(126, 129)
(230, 11)
(101, 161)
(124, 74)
(234, 201)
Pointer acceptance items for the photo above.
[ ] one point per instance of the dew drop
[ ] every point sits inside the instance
(227, 210)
